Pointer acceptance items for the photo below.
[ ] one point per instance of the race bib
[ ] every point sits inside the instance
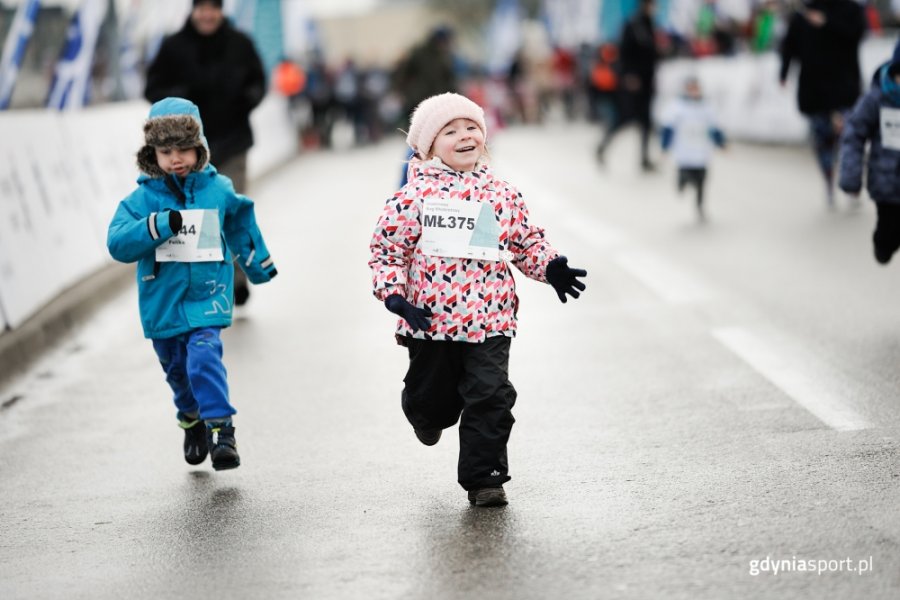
(198, 240)
(459, 229)
(890, 128)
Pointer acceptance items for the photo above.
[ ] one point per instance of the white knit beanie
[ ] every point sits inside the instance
(432, 114)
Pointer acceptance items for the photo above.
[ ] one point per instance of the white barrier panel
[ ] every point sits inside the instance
(109, 168)
(750, 103)
(62, 176)
(47, 233)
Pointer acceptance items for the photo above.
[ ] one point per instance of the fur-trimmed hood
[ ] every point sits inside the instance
(172, 123)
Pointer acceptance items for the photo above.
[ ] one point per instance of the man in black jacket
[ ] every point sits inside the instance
(638, 56)
(824, 37)
(216, 67)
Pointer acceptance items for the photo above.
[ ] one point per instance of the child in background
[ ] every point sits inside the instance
(876, 119)
(173, 226)
(690, 131)
(440, 258)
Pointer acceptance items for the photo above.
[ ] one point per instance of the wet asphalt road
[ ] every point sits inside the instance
(724, 393)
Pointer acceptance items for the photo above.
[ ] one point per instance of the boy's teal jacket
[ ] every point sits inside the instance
(176, 297)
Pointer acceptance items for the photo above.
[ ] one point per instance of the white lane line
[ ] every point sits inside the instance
(788, 374)
(667, 281)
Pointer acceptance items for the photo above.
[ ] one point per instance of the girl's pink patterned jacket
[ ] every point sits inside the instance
(470, 299)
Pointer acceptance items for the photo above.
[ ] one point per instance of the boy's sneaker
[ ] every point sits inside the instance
(222, 446)
(195, 444)
(492, 496)
(429, 437)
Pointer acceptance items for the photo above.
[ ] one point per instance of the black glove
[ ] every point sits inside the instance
(417, 318)
(563, 278)
(175, 221)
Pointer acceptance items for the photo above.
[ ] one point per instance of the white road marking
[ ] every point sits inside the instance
(792, 375)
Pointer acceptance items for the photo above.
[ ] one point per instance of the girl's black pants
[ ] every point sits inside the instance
(460, 381)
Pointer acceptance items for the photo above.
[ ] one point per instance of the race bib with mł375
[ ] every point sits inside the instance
(459, 229)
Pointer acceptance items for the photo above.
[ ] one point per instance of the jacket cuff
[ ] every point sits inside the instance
(268, 267)
(158, 226)
(384, 292)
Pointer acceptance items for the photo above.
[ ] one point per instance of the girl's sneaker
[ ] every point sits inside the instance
(222, 446)
(491, 496)
(195, 446)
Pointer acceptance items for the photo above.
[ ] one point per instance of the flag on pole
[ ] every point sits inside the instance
(131, 81)
(504, 35)
(572, 22)
(71, 78)
(300, 33)
(14, 49)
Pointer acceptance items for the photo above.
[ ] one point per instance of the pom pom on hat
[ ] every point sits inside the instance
(432, 114)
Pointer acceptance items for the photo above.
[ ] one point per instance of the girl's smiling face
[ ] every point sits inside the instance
(179, 161)
(459, 144)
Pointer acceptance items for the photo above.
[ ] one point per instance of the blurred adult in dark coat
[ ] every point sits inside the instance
(428, 70)
(823, 36)
(216, 67)
(638, 56)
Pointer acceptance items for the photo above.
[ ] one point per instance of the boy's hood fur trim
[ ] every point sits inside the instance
(171, 131)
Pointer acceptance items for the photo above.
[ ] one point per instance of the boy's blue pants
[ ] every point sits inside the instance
(194, 370)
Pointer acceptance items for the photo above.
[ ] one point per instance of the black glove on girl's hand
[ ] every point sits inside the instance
(563, 278)
(175, 221)
(417, 318)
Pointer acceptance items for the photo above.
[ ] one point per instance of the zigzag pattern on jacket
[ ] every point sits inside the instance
(471, 300)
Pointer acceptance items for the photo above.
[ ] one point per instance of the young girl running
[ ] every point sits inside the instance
(440, 258)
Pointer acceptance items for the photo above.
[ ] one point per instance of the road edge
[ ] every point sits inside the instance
(59, 319)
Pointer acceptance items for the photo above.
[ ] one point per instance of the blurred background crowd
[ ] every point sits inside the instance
(355, 68)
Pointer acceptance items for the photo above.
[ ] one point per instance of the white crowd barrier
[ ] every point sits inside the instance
(62, 176)
(750, 103)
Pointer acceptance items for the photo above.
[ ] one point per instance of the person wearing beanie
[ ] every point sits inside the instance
(173, 226)
(440, 258)
(875, 121)
(216, 67)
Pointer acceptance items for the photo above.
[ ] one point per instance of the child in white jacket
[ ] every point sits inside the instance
(690, 132)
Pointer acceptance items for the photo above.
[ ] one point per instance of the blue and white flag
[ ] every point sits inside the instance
(504, 36)
(572, 22)
(301, 37)
(129, 55)
(72, 76)
(14, 49)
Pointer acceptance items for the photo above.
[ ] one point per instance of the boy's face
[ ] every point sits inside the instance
(459, 144)
(179, 161)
